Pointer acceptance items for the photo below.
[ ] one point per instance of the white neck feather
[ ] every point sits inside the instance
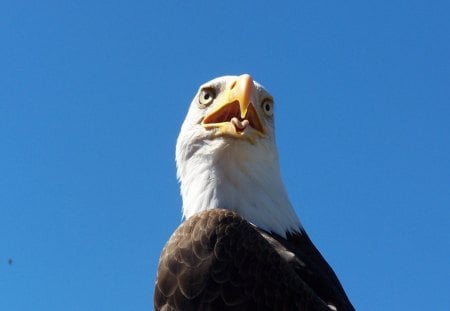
(237, 176)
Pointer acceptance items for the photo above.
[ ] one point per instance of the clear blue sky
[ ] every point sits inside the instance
(92, 96)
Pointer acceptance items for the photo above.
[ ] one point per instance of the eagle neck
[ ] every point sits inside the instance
(240, 179)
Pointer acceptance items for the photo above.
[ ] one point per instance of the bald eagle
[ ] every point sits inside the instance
(241, 245)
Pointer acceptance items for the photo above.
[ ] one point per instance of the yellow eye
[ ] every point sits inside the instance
(206, 97)
(267, 107)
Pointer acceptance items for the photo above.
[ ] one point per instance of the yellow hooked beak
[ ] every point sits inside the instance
(234, 113)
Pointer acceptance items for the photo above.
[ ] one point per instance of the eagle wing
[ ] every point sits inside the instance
(307, 262)
(216, 260)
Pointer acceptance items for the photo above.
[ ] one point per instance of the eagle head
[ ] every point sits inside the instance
(227, 157)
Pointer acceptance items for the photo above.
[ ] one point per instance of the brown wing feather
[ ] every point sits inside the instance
(218, 261)
(311, 267)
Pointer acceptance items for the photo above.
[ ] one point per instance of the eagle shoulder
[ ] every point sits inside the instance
(216, 260)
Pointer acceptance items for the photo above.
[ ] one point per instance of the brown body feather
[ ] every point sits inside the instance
(216, 260)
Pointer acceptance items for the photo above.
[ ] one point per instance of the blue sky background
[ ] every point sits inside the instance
(92, 96)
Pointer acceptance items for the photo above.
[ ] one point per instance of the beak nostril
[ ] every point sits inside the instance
(233, 85)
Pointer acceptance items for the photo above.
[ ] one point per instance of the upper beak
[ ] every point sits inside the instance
(235, 106)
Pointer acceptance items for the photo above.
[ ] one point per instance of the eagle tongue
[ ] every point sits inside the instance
(239, 125)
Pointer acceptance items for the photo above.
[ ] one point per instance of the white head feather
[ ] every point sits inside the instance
(233, 173)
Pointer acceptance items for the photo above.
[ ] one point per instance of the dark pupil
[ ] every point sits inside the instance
(206, 96)
(267, 107)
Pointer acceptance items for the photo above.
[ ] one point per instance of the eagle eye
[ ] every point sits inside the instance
(267, 106)
(206, 97)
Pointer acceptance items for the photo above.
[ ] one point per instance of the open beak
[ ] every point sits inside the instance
(235, 114)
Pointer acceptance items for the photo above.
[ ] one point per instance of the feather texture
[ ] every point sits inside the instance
(216, 260)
